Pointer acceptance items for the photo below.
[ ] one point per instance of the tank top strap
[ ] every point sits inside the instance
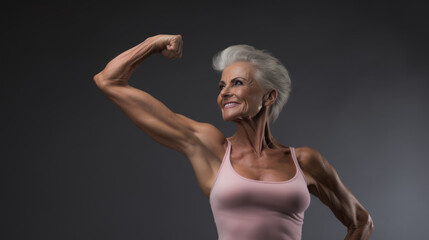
(228, 148)
(295, 160)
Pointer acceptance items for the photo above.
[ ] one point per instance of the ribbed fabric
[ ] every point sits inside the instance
(247, 209)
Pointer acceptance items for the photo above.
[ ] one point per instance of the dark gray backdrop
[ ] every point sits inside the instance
(74, 167)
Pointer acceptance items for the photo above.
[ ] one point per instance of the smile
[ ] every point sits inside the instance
(230, 105)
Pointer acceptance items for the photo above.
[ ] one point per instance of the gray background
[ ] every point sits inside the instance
(73, 166)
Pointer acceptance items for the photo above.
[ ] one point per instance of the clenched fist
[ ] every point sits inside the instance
(169, 46)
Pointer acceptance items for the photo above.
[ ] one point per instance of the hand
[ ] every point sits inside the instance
(169, 46)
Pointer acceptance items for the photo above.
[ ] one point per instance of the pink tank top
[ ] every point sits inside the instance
(247, 209)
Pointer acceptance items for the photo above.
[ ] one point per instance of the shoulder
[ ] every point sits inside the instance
(203, 130)
(212, 138)
(207, 136)
(308, 157)
(210, 135)
(313, 164)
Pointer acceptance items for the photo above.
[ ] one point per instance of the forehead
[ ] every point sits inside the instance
(238, 69)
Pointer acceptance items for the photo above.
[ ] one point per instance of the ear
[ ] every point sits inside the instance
(270, 97)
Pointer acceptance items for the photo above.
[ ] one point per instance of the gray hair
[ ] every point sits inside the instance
(270, 72)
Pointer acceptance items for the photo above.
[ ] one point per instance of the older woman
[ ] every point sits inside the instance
(257, 187)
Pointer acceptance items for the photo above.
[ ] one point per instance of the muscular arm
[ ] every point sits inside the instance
(202, 143)
(324, 183)
(149, 114)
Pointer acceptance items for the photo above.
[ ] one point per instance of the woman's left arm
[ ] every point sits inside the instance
(324, 183)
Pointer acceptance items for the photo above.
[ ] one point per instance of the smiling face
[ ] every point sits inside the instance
(240, 94)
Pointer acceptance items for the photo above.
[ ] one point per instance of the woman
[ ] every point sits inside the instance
(258, 188)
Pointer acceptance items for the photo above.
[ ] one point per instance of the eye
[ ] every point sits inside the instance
(238, 82)
(221, 87)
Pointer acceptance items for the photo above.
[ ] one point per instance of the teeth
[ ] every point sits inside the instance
(230, 104)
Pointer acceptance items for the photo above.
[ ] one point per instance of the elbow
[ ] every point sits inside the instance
(98, 79)
(101, 81)
(364, 223)
(370, 224)
(368, 228)
(104, 80)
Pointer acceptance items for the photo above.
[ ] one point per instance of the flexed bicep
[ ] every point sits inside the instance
(145, 111)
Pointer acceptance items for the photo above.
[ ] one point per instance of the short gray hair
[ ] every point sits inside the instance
(270, 72)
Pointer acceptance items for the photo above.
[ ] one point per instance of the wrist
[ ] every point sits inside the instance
(153, 44)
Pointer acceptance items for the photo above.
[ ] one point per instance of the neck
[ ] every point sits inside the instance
(254, 133)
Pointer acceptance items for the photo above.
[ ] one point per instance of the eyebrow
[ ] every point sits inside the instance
(237, 78)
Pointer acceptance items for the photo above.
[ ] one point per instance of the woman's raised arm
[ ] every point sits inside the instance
(153, 117)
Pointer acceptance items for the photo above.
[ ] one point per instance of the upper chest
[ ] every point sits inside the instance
(273, 165)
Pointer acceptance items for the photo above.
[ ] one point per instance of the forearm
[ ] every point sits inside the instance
(120, 69)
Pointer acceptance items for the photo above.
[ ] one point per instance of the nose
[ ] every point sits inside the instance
(226, 92)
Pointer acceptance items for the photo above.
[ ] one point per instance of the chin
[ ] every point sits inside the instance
(228, 118)
(232, 118)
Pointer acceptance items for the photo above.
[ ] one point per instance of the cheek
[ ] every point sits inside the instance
(255, 98)
(242, 93)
